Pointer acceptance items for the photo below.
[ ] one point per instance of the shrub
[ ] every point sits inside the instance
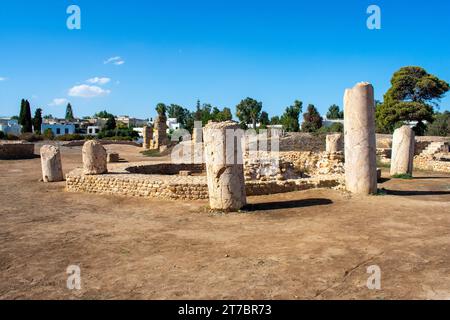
(31, 137)
(70, 137)
(11, 136)
(48, 134)
(335, 127)
(406, 176)
(2, 135)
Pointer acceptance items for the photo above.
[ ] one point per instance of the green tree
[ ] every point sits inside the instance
(110, 123)
(264, 120)
(224, 115)
(25, 116)
(37, 120)
(290, 118)
(103, 115)
(334, 112)
(440, 125)
(249, 111)
(275, 120)
(69, 112)
(312, 121)
(161, 109)
(412, 95)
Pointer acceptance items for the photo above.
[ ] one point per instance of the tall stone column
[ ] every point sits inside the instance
(51, 164)
(403, 143)
(94, 158)
(360, 144)
(334, 143)
(224, 166)
(147, 135)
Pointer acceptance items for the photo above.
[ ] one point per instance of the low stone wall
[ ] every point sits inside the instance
(78, 143)
(10, 150)
(430, 164)
(384, 141)
(119, 182)
(167, 168)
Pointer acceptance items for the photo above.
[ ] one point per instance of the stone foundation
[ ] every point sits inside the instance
(431, 164)
(119, 181)
(10, 150)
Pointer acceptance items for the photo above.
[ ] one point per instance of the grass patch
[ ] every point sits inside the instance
(151, 153)
(406, 176)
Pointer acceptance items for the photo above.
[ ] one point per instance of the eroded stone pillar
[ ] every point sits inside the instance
(403, 143)
(224, 166)
(360, 144)
(94, 158)
(147, 135)
(51, 164)
(334, 143)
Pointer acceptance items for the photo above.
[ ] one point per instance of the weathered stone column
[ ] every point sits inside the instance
(360, 144)
(147, 135)
(224, 166)
(403, 143)
(94, 158)
(51, 164)
(334, 143)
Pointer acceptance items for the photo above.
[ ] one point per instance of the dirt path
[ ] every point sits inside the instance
(315, 244)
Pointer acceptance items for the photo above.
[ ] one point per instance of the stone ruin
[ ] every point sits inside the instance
(227, 177)
(12, 150)
(160, 138)
(51, 164)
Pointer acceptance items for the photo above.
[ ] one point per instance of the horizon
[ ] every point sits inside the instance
(126, 59)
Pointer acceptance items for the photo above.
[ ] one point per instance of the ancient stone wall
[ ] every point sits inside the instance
(10, 150)
(182, 187)
(431, 164)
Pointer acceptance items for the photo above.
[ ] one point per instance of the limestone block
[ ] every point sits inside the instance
(360, 144)
(403, 143)
(94, 158)
(51, 164)
(334, 143)
(224, 166)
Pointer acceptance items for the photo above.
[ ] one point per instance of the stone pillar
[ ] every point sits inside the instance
(225, 170)
(360, 144)
(51, 164)
(403, 143)
(335, 143)
(197, 135)
(147, 134)
(94, 158)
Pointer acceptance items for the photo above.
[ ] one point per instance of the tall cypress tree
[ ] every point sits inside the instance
(22, 112)
(69, 112)
(37, 120)
(27, 125)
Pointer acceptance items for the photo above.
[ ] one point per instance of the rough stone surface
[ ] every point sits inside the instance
(16, 150)
(225, 172)
(113, 157)
(94, 158)
(335, 143)
(147, 135)
(402, 151)
(360, 144)
(160, 137)
(51, 164)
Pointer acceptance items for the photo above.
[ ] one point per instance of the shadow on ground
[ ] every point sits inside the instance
(287, 204)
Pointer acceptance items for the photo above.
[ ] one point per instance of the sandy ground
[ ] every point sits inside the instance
(315, 244)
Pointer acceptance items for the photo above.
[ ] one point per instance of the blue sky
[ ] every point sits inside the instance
(217, 51)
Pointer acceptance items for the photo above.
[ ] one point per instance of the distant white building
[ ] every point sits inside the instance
(329, 122)
(93, 130)
(10, 126)
(173, 124)
(59, 129)
(131, 122)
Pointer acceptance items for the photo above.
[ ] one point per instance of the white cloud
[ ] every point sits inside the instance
(58, 102)
(118, 61)
(86, 91)
(98, 80)
(3, 79)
